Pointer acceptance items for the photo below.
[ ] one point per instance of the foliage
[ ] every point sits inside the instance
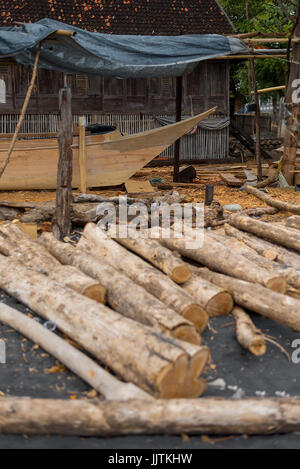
(267, 17)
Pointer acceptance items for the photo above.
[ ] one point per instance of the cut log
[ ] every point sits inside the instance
(271, 253)
(293, 222)
(277, 234)
(285, 206)
(14, 243)
(124, 296)
(248, 335)
(88, 370)
(272, 177)
(154, 362)
(261, 300)
(284, 256)
(158, 284)
(216, 301)
(259, 212)
(80, 214)
(219, 258)
(159, 256)
(211, 416)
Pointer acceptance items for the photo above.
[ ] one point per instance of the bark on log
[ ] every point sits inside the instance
(275, 306)
(284, 256)
(278, 204)
(271, 253)
(124, 296)
(215, 300)
(80, 214)
(153, 362)
(193, 416)
(293, 222)
(143, 274)
(291, 276)
(260, 211)
(219, 258)
(248, 335)
(159, 256)
(83, 366)
(278, 234)
(15, 243)
(272, 177)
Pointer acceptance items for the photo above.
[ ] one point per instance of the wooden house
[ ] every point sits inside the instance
(130, 104)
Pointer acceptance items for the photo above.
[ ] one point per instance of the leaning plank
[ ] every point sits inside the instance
(277, 234)
(143, 274)
(248, 335)
(216, 301)
(123, 295)
(285, 206)
(15, 243)
(217, 257)
(152, 361)
(105, 383)
(192, 416)
(159, 256)
(261, 300)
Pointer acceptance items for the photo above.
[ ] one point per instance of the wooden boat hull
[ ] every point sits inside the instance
(111, 158)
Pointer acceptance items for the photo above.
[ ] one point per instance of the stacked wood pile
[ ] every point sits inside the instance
(139, 307)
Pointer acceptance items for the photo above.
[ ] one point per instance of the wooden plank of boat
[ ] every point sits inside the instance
(111, 158)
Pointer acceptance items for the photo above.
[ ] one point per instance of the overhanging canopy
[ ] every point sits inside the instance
(120, 56)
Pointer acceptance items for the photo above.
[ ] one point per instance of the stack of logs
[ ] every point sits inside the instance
(139, 307)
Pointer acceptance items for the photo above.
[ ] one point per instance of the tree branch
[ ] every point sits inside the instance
(286, 11)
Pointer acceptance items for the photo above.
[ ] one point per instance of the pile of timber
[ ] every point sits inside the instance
(139, 307)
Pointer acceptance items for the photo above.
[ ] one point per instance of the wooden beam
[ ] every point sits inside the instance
(250, 56)
(267, 90)
(257, 121)
(62, 222)
(178, 119)
(82, 156)
(267, 40)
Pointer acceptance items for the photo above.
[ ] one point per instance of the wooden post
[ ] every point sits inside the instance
(61, 226)
(178, 119)
(257, 121)
(82, 156)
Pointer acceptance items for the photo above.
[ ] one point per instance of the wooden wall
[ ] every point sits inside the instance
(206, 87)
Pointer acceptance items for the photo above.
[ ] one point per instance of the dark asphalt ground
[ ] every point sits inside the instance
(23, 375)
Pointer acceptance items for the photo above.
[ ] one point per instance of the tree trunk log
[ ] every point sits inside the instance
(62, 222)
(88, 370)
(284, 256)
(143, 274)
(216, 301)
(277, 234)
(293, 222)
(275, 306)
(153, 362)
(248, 335)
(14, 243)
(198, 416)
(219, 258)
(278, 204)
(124, 296)
(160, 257)
(271, 253)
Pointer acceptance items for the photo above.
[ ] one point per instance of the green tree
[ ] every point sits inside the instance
(268, 17)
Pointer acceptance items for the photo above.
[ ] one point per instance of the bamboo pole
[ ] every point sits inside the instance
(23, 112)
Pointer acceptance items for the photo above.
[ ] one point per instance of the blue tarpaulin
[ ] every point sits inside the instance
(110, 55)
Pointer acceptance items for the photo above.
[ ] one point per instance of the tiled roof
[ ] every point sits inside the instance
(158, 17)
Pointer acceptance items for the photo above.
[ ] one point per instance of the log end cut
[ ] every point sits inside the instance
(181, 274)
(277, 284)
(197, 315)
(220, 305)
(96, 293)
(187, 334)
